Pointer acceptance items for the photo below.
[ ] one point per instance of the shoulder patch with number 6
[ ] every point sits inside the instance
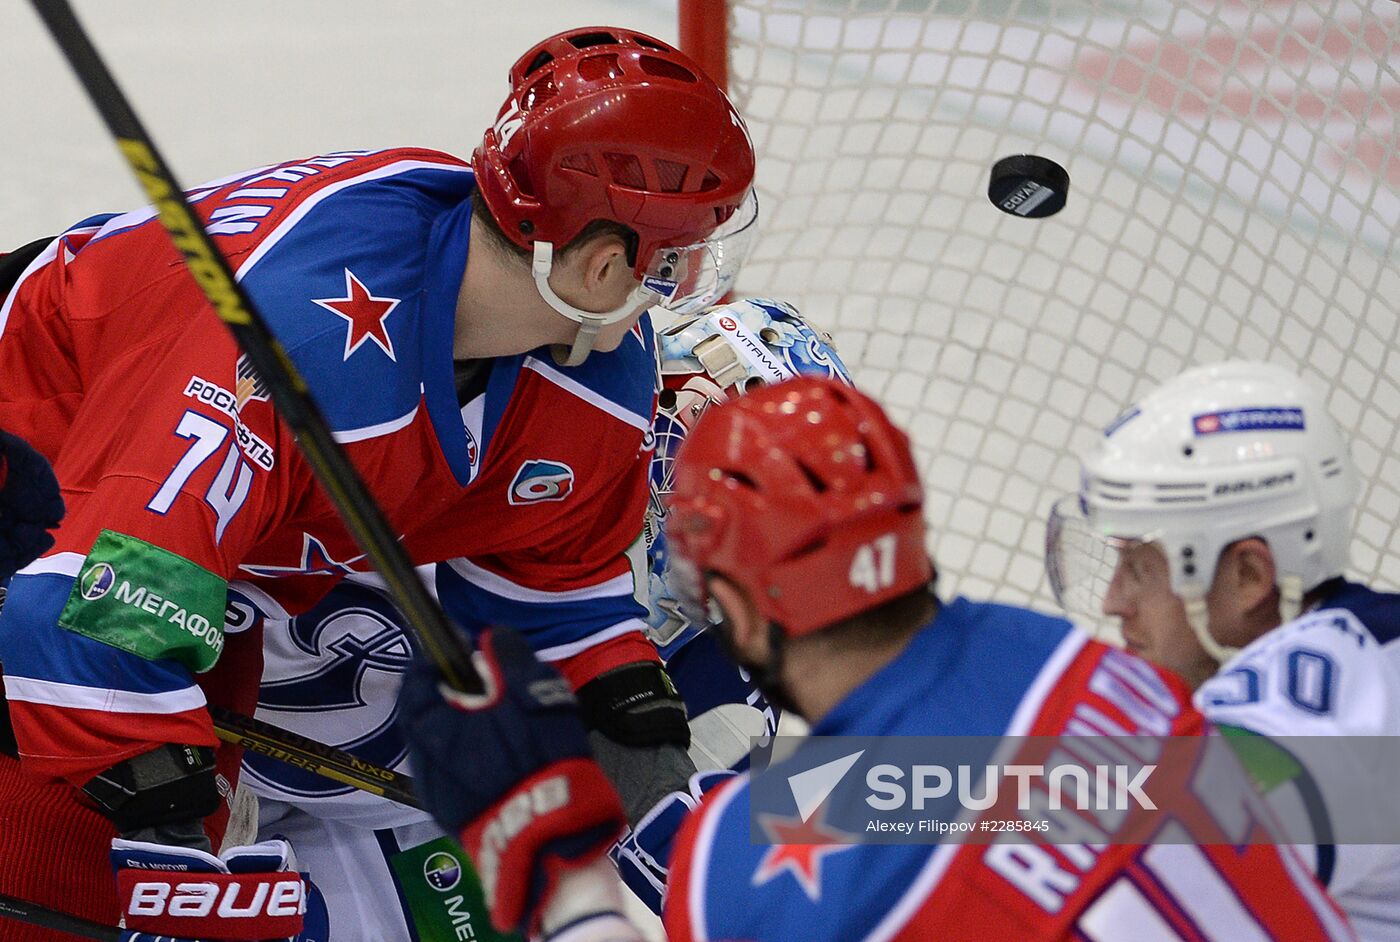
(539, 480)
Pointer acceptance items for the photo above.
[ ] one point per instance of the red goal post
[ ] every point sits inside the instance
(1236, 193)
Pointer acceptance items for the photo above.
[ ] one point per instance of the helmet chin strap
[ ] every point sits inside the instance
(1290, 599)
(1290, 606)
(588, 322)
(1200, 624)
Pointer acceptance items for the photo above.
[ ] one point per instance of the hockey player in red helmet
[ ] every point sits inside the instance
(443, 313)
(567, 151)
(798, 512)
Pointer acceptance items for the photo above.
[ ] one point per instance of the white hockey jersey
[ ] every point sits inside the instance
(1334, 671)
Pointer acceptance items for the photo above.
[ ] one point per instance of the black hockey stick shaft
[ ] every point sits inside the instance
(448, 647)
(35, 915)
(316, 757)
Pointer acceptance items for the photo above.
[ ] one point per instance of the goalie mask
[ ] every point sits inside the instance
(1219, 454)
(708, 359)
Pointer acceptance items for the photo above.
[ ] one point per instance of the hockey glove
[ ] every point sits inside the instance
(30, 504)
(245, 893)
(510, 771)
(643, 856)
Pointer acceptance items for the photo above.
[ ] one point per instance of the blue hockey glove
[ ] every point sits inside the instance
(30, 504)
(252, 893)
(643, 856)
(511, 772)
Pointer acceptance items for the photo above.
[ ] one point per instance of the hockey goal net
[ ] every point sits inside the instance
(1235, 192)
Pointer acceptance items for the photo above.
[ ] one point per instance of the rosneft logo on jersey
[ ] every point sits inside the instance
(539, 480)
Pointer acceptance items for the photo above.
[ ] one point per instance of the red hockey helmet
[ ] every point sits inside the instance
(606, 123)
(806, 495)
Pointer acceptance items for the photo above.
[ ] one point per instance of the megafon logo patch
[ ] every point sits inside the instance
(442, 871)
(98, 581)
(1276, 419)
(539, 480)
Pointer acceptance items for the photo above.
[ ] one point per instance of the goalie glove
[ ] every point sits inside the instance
(511, 772)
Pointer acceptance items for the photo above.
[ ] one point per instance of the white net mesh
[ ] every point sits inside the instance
(1235, 192)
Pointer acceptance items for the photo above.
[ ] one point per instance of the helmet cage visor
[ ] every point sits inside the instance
(688, 278)
(1083, 563)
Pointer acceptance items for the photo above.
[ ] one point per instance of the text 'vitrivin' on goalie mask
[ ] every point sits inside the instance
(708, 359)
(1219, 454)
(611, 124)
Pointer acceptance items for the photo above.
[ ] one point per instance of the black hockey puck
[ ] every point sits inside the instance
(1029, 186)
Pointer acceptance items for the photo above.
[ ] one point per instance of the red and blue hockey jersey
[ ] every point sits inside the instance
(990, 670)
(117, 369)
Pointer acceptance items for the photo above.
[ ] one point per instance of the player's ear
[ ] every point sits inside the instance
(743, 622)
(605, 265)
(1250, 575)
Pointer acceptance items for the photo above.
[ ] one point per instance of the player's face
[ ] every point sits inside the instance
(1152, 616)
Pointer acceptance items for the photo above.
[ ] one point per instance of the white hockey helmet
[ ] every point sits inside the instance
(705, 359)
(1216, 455)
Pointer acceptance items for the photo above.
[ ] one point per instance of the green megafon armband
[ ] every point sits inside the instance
(444, 894)
(149, 602)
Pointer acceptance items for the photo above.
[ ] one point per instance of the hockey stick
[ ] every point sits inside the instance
(316, 757)
(448, 647)
(265, 739)
(45, 918)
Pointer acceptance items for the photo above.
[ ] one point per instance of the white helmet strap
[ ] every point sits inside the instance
(589, 323)
(1199, 619)
(1290, 600)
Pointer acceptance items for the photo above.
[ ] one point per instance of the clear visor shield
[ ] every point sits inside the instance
(1085, 566)
(689, 278)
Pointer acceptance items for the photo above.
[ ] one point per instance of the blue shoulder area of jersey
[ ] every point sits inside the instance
(93, 222)
(34, 647)
(624, 381)
(1378, 611)
(361, 290)
(965, 674)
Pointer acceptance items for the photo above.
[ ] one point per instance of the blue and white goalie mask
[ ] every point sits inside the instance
(705, 359)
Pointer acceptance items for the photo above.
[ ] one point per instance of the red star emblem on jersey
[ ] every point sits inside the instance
(798, 848)
(364, 313)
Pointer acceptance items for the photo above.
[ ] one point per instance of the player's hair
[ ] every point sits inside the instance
(895, 620)
(512, 252)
